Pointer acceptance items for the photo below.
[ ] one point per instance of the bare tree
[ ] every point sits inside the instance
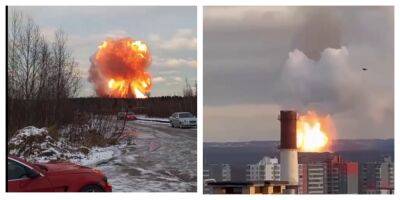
(42, 75)
(195, 89)
(187, 89)
(13, 62)
(64, 75)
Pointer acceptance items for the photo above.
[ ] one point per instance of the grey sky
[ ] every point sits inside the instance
(258, 60)
(170, 33)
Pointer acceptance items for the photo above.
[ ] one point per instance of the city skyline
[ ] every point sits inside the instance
(323, 174)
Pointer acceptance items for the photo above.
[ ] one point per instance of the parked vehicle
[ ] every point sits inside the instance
(183, 119)
(23, 176)
(126, 115)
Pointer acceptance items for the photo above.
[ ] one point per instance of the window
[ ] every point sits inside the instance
(233, 190)
(15, 170)
(276, 189)
(185, 115)
(258, 190)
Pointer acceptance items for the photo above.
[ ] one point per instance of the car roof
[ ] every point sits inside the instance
(16, 158)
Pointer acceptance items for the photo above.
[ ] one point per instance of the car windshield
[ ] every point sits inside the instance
(185, 115)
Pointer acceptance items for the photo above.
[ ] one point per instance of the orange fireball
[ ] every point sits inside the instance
(314, 133)
(119, 69)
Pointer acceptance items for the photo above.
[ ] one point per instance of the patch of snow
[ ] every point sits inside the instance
(156, 119)
(98, 155)
(35, 145)
(151, 122)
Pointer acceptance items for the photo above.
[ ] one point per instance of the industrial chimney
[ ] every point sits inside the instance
(288, 150)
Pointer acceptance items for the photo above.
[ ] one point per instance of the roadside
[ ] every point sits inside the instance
(160, 159)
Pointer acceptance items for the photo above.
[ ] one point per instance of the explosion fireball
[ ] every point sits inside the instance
(314, 133)
(118, 69)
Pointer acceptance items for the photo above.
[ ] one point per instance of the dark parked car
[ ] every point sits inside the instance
(23, 176)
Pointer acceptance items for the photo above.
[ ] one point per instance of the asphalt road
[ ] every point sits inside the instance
(156, 158)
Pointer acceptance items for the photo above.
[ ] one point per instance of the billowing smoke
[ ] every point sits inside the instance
(333, 85)
(320, 30)
(119, 69)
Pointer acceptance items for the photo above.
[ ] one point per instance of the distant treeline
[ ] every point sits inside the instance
(41, 113)
(152, 107)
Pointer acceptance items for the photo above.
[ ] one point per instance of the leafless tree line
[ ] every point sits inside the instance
(41, 74)
(153, 107)
(188, 90)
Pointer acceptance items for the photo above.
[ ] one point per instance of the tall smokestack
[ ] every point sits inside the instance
(288, 149)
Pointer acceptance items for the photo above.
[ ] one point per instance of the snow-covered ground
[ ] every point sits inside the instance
(150, 157)
(98, 155)
(154, 119)
(159, 159)
(36, 145)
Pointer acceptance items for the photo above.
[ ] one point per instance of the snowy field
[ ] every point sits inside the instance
(154, 158)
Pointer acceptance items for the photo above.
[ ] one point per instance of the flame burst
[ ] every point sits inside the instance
(314, 133)
(119, 69)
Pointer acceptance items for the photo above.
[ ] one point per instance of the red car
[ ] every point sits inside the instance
(53, 177)
(130, 116)
(126, 115)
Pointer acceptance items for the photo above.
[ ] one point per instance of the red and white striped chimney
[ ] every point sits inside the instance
(288, 148)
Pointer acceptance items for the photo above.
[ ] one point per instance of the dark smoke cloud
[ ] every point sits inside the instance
(320, 30)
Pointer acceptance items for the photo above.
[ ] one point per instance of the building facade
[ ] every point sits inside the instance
(386, 174)
(352, 177)
(342, 176)
(217, 172)
(303, 176)
(266, 169)
(377, 177)
(317, 178)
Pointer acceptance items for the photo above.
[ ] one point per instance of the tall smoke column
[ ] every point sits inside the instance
(288, 148)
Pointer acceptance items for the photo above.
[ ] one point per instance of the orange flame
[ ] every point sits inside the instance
(314, 133)
(119, 69)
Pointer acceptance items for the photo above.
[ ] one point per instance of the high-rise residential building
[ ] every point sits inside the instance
(368, 177)
(334, 176)
(226, 172)
(316, 178)
(377, 177)
(266, 169)
(342, 176)
(352, 177)
(386, 174)
(302, 188)
(217, 172)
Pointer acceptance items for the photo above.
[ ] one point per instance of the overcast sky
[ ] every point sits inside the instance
(259, 60)
(170, 33)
